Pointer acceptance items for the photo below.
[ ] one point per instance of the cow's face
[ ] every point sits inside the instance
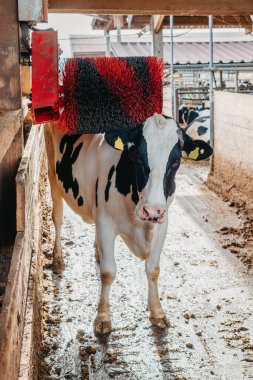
(153, 150)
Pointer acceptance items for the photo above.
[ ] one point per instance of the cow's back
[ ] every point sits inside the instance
(73, 161)
(82, 166)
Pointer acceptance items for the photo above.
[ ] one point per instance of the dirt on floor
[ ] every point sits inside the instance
(206, 292)
(5, 262)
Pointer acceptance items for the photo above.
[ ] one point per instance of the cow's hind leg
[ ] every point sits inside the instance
(96, 247)
(105, 241)
(58, 262)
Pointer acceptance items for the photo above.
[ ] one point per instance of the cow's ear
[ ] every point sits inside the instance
(197, 150)
(117, 139)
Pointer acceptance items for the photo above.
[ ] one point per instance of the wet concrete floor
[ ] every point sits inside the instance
(205, 291)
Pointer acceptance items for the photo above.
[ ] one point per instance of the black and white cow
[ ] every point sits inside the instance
(123, 182)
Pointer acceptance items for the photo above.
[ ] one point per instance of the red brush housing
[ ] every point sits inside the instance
(45, 72)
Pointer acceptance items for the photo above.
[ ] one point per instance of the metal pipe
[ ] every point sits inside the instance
(152, 32)
(107, 40)
(236, 81)
(118, 33)
(171, 66)
(218, 67)
(211, 94)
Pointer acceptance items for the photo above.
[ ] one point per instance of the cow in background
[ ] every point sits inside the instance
(124, 183)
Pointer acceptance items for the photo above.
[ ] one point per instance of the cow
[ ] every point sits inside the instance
(123, 182)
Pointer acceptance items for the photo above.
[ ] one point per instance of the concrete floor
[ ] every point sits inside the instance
(205, 290)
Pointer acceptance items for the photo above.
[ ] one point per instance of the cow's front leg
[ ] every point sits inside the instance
(157, 315)
(105, 240)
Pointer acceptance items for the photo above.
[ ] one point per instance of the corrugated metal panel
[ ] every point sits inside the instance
(191, 52)
(86, 44)
(185, 52)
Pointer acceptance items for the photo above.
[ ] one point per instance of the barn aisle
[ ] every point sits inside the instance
(205, 290)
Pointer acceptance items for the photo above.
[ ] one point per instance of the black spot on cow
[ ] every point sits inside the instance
(202, 130)
(132, 171)
(64, 166)
(126, 177)
(192, 115)
(97, 192)
(109, 182)
(173, 163)
(80, 201)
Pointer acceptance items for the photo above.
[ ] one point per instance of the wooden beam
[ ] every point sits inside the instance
(158, 21)
(139, 21)
(130, 20)
(202, 21)
(157, 40)
(10, 88)
(158, 7)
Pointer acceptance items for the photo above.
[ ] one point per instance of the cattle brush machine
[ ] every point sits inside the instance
(95, 95)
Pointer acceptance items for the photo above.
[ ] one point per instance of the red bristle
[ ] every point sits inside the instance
(122, 81)
(128, 87)
(156, 67)
(68, 121)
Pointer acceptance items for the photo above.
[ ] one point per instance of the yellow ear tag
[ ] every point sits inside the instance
(118, 144)
(194, 153)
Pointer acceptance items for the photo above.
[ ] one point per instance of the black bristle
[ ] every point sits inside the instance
(99, 107)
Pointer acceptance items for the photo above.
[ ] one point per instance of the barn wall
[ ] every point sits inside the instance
(28, 211)
(233, 147)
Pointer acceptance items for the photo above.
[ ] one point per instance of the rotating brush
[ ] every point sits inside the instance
(101, 94)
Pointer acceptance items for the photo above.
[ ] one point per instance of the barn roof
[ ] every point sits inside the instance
(191, 52)
(187, 49)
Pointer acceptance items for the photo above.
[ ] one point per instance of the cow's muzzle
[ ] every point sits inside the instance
(151, 213)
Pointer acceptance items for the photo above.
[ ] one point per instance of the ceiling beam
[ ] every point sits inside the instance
(138, 22)
(202, 21)
(158, 21)
(130, 20)
(158, 7)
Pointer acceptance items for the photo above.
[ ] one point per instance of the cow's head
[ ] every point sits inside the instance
(152, 152)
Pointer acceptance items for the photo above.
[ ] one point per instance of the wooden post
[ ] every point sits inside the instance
(10, 87)
(157, 40)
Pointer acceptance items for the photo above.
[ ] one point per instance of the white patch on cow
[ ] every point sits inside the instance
(203, 120)
(160, 142)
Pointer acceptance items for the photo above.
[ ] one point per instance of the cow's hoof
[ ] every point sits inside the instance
(102, 327)
(162, 323)
(58, 266)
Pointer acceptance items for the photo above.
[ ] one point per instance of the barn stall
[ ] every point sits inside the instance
(50, 335)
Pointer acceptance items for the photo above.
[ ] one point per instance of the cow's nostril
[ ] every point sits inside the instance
(146, 214)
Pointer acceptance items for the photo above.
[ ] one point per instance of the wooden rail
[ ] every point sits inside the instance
(14, 304)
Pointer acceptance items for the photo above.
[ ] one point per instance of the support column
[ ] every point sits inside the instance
(10, 87)
(172, 67)
(107, 44)
(211, 94)
(236, 81)
(157, 40)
